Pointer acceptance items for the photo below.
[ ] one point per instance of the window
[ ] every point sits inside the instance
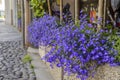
(58, 2)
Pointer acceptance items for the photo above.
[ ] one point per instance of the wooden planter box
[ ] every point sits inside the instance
(104, 72)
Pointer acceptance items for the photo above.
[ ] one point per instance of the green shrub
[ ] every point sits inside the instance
(39, 7)
(32, 66)
(27, 58)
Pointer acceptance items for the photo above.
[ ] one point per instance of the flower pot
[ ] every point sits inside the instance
(107, 72)
(104, 72)
(42, 51)
(55, 71)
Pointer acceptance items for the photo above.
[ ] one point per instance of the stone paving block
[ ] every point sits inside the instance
(11, 55)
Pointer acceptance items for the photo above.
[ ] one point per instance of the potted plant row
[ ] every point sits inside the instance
(79, 49)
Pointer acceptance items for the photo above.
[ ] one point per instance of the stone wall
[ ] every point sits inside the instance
(7, 12)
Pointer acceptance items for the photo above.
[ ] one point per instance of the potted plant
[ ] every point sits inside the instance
(81, 49)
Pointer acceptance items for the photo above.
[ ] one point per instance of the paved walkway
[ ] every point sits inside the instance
(41, 70)
(8, 33)
(11, 54)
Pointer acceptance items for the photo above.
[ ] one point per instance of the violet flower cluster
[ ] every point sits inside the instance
(42, 31)
(79, 49)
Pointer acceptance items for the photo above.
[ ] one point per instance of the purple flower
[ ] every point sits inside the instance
(74, 47)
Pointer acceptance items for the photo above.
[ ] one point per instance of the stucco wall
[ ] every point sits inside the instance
(7, 11)
(11, 12)
(14, 9)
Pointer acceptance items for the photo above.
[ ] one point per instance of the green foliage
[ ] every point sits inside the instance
(1, 16)
(116, 38)
(39, 7)
(77, 23)
(19, 11)
(19, 14)
(32, 66)
(27, 58)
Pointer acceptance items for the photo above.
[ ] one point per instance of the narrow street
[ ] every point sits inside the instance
(11, 54)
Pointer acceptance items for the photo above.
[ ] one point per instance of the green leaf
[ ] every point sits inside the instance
(39, 7)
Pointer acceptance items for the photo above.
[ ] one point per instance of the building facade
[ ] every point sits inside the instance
(11, 12)
(2, 8)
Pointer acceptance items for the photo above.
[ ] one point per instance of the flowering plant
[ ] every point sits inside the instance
(79, 49)
(42, 30)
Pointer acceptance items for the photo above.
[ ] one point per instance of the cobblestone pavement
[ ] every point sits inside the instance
(11, 54)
